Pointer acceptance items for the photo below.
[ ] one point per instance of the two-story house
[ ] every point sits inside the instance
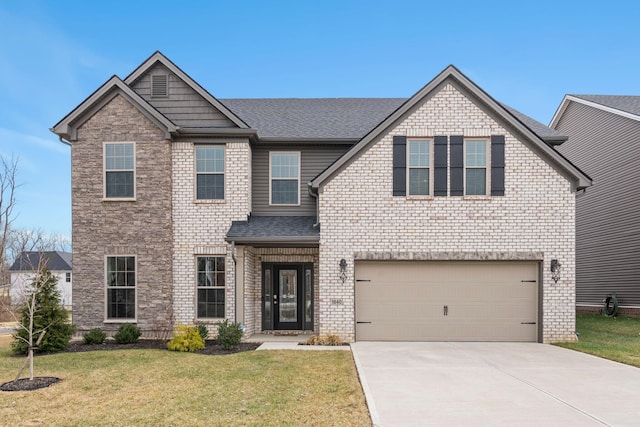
(438, 217)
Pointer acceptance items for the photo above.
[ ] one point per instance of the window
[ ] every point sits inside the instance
(68, 277)
(475, 167)
(210, 283)
(209, 172)
(121, 287)
(285, 178)
(119, 170)
(419, 167)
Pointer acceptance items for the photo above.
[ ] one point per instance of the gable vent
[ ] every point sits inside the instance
(159, 85)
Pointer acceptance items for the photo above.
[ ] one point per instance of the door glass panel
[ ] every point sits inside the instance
(288, 304)
(307, 297)
(268, 315)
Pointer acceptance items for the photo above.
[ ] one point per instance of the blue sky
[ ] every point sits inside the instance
(53, 54)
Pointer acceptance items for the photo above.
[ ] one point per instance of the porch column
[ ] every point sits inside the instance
(239, 290)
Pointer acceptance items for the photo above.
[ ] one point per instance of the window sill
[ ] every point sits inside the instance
(209, 201)
(484, 197)
(120, 321)
(418, 198)
(118, 199)
(208, 320)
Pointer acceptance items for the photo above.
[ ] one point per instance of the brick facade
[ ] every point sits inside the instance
(200, 226)
(536, 216)
(103, 227)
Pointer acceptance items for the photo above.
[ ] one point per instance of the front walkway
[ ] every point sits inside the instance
(494, 384)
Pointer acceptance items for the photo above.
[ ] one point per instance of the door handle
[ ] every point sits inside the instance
(275, 300)
(445, 310)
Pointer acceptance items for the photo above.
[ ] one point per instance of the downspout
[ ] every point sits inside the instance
(235, 276)
(64, 141)
(317, 224)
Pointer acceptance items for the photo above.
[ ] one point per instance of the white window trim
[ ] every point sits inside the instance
(224, 286)
(487, 167)
(107, 319)
(430, 167)
(297, 153)
(195, 174)
(104, 173)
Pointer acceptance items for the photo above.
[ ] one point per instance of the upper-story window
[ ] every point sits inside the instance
(419, 167)
(284, 168)
(67, 277)
(475, 167)
(119, 167)
(209, 172)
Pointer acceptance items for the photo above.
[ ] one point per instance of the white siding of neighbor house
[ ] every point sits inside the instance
(361, 219)
(21, 279)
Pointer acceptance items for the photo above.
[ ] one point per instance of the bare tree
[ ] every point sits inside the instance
(8, 187)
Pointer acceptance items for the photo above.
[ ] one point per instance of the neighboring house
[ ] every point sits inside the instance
(436, 217)
(604, 132)
(57, 262)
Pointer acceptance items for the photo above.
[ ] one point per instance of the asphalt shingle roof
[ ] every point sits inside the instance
(627, 103)
(279, 227)
(313, 117)
(55, 261)
(327, 118)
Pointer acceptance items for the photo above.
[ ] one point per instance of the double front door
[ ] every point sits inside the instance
(287, 296)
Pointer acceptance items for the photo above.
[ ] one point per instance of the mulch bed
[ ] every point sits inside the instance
(25, 384)
(211, 346)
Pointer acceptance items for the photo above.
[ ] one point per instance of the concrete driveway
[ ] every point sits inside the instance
(494, 384)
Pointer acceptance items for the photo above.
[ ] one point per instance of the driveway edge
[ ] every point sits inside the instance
(368, 396)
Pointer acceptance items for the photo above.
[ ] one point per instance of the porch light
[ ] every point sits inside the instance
(343, 270)
(555, 270)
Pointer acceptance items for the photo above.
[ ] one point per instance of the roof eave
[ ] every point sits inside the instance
(304, 140)
(275, 240)
(67, 127)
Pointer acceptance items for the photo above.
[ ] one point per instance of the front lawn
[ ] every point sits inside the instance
(157, 388)
(614, 338)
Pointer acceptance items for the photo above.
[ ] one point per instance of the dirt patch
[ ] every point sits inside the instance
(25, 384)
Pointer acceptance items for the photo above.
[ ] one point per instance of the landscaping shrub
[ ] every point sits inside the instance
(203, 331)
(229, 334)
(323, 340)
(186, 338)
(95, 336)
(127, 334)
(49, 313)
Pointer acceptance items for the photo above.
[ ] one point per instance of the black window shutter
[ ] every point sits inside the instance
(497, 165)
(399, 165)
(456, 170)
(440, 166)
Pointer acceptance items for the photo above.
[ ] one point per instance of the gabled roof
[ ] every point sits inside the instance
(275, 230)
(454, 76)
(550, 136)
(313, 118)
(53, 260)
(159, 57)
(68, 126)
(622, 105)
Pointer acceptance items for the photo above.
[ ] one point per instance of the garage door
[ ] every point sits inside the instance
(446, 301)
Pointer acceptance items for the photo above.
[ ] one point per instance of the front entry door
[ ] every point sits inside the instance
(287, 297)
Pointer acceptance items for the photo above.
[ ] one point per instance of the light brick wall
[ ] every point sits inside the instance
(200, 226)
(141, 227)
(359, 214)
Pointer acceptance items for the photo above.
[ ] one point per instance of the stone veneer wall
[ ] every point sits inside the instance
(298, 255)
(358, 214)
(200, 226)
(141, 227)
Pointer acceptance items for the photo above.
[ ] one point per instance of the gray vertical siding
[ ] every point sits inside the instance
(606, 147)
(313, 160)
(183, 106)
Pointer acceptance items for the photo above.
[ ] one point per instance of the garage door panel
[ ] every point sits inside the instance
(452, 301)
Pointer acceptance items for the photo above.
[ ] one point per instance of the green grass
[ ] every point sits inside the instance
(157, 388)
(614, 338)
